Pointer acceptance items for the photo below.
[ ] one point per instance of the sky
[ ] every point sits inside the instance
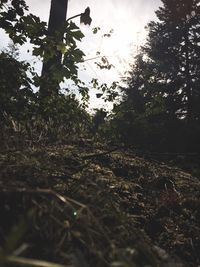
(127, 19)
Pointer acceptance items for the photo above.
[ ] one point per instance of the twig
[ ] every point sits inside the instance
(65, 200)
(99, 154)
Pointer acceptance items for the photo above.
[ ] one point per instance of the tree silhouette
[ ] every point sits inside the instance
(173, 45)
(162, 95)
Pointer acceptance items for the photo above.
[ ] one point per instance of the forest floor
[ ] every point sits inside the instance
(87, 204)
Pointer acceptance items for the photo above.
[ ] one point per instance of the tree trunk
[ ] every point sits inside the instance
(56, 22)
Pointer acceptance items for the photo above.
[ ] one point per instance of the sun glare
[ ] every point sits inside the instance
(122, 46)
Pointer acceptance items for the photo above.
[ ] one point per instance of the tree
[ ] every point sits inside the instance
(173, 45)
(57, 48)
(138, 113)
(15, 84)
(56, 25)
(162, 93)
(56, 30)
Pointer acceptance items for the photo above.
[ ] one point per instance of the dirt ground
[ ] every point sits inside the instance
(86, 204)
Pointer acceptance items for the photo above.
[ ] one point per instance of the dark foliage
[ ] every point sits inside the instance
(160, 108)
(15, 85)
(25, 119)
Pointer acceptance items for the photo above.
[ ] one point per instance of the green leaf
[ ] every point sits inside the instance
(37, 51)
(78, 35)
(62, 48)
(72, 26)
(78, 55)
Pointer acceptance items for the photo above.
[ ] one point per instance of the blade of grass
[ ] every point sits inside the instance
(20, 261)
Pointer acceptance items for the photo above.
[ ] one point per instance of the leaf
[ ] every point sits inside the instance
(94, 82)
(104, 60)
(95, 30)
(99, 95)
(62, 48)
(78, 55)
(107, 35)
(11, 15)
(37, 51)
(72, 26)
(20, 11)
(18, 39)
(78, 35)
(85, 17)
